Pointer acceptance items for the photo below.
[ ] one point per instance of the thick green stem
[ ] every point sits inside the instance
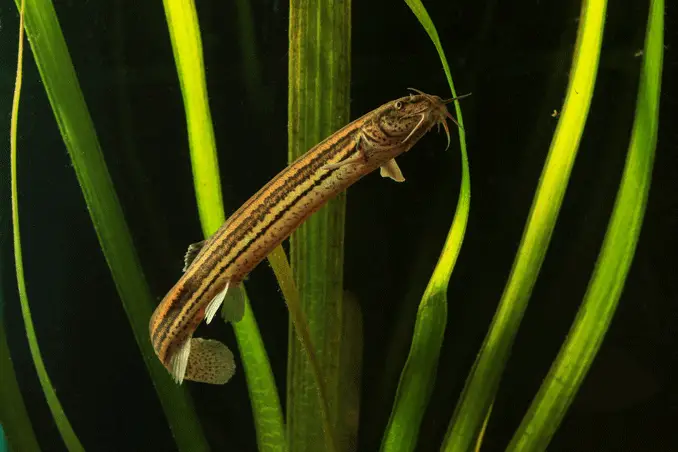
(319, 88)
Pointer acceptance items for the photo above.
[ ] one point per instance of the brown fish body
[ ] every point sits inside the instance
(277, 209)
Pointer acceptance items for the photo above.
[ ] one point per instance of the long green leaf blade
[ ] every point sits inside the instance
(63, 425)
(268, 416)
(483, 381)
(318, 105)
(606, 285)
(13, 414)
(182, 21)
(418, 376)
(71, 113)
(14, 419)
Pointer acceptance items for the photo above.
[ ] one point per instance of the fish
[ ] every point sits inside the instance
(218, 264)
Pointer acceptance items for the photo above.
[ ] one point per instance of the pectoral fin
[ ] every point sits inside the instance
(360, 158)
(179, 361)
(191, 253)
(357, 159)
(210, 362)
(391, 169)
(215, 304)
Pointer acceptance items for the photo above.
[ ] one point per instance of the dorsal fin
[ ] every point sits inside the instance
(210, 361)
(192, 252)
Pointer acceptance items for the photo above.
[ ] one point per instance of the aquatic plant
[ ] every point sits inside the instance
(482, 384)
(65, 429)
(418, 375)
(319, 309)
(79, 135)
(318, 104)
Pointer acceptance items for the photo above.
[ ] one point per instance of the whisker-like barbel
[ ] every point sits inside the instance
(447, 113)
(269, 217)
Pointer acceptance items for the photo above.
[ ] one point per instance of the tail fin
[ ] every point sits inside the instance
(210, 361)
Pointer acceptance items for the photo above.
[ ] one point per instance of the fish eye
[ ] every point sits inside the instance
(398, 105)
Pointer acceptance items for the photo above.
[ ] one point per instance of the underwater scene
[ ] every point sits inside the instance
(338, 226)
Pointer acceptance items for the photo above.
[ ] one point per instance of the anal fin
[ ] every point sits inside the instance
(192, 252)
(210, 362)
(391, 169)
(214, 305)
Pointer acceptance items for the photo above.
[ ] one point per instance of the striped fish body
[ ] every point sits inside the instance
(274, 212)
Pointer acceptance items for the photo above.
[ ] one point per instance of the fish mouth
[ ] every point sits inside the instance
(438, 107)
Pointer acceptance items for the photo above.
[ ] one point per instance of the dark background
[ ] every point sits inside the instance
(513, 56)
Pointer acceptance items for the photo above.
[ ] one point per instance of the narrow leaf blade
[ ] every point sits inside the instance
(182, 21)
(75, 124)
(63, 424)
(607, 282)
(418, 376)
(482, 383)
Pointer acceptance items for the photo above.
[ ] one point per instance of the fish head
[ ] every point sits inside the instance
(409, 118)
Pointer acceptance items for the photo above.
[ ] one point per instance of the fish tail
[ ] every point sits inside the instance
(209, 361)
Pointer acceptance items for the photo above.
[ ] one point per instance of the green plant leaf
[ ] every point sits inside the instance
(607, 282)
(483, 381)
(63, 90)
(182, 21)
(268, 417)
(318, 105)
(418, 376)
(13, 415)
(283, 273)
(66, 431)
(18, 430)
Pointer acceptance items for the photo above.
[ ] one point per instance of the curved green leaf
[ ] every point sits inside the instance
(13, 414)
(76, 127)
(63, 425)
(418, 376)
(606, 285)
(182, 21)
(18, 430)
(482, 383)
